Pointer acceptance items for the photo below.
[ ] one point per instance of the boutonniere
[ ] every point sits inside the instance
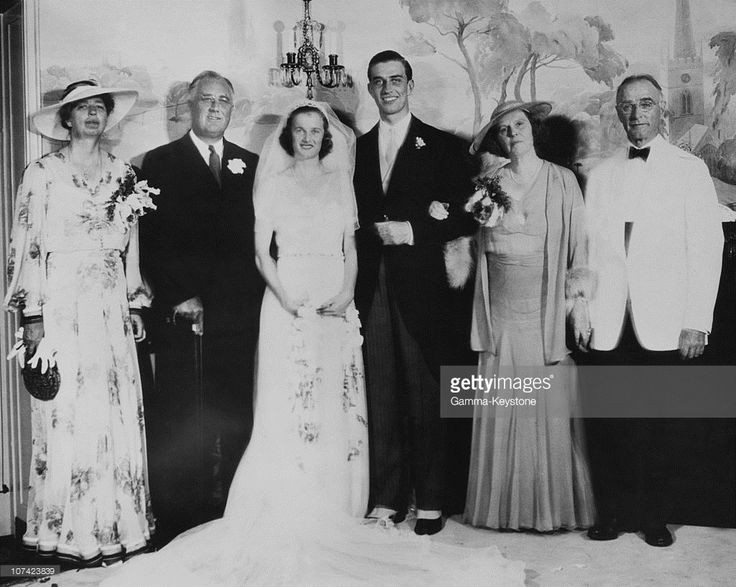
(419, 143)
(236, 166)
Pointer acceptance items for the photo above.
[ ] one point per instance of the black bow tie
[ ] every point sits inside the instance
(643, 154)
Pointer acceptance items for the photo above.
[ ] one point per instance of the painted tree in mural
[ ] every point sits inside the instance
(497, 47)
(567, 41)
(55, 78)
(176, 98)
(468, 23)
(725, 73)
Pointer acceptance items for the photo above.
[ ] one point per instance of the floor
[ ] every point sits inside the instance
(700, 557)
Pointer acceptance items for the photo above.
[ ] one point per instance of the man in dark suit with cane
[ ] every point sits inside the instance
(197, 251)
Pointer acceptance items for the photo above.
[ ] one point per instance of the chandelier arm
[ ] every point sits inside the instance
(304, 62)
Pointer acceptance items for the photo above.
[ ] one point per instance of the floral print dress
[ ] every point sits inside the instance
(74, 259)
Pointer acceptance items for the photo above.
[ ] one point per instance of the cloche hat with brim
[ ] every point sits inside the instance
(535, 110)
(47, 121)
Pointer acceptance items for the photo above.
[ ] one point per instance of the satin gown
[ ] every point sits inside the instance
(525, 472)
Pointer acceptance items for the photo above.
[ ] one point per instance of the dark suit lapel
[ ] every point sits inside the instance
(192, 157)
(372, 161)
(229, 177)
(405, 165)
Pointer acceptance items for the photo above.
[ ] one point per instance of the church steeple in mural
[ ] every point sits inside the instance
(685, 94)
(684, 43)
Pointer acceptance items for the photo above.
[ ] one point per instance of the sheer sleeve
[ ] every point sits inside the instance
(27, 258)
(265, 204)
(348, 203)
(139, 292)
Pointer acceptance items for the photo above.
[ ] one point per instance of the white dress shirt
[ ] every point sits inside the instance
(390, 139)
(634, 178)
(204, 148)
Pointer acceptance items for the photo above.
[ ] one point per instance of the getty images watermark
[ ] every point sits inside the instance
(564, 391)
(488, 385)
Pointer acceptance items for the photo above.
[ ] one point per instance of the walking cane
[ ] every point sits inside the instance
(198, 331)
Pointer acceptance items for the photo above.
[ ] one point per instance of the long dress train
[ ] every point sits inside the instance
(295, 508)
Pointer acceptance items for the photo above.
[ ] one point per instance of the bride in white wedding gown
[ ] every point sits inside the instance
(295, 509)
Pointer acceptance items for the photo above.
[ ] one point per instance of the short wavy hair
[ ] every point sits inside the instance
(390, 55)
(285, 138)
(207, 74)
(641, 77)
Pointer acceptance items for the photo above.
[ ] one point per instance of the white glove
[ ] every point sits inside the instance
(45, 355)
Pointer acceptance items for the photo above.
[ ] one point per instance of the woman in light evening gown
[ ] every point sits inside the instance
(295, 509)
(74, 278)
(528, 471)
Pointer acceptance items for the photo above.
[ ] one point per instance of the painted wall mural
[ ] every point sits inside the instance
(468, 55)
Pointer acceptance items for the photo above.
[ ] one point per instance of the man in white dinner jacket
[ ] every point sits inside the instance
(656, 243)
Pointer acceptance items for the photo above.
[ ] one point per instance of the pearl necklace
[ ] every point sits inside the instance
(529, 178)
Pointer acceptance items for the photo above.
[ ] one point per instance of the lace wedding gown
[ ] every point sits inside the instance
(295, 508)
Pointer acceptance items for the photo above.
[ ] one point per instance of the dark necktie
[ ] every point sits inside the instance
(642, 154)
(215, 165)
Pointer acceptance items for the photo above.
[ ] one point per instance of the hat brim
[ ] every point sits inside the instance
(535, 110)
(47, 122)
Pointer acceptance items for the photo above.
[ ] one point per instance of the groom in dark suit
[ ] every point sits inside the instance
(403, 165)
(197, 251)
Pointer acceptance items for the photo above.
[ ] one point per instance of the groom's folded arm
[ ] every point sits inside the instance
(451, 184)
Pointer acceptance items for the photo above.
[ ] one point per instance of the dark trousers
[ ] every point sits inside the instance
(631, 459)
(199, 418)
(406, 432)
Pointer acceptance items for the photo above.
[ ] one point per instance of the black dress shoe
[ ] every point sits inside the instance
(658, 536)
(428, 527)
(604, 531)
(398, 517)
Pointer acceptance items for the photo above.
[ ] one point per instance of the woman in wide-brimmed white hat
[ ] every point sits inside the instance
(528, 469)
(74, 279)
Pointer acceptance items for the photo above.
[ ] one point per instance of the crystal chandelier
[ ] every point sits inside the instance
(303, 64)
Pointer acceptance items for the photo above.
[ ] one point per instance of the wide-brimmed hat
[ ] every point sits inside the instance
(534, 110)
(47, 121)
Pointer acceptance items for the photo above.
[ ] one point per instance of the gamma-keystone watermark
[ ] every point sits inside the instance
(567, 391)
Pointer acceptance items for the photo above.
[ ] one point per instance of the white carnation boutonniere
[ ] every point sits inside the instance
(419, 143)
(236, 166)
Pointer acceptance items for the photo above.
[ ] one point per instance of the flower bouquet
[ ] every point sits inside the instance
(130, 201)
(489, 202)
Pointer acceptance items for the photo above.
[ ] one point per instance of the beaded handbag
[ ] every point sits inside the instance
(42, 386)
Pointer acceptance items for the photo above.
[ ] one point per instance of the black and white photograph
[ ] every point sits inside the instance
(368, 292)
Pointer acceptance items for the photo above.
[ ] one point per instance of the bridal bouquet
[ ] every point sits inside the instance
(489, 202)
(131, 200)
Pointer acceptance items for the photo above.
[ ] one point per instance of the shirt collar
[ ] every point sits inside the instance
(204, 148)
(400, 129)
(653, 145)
